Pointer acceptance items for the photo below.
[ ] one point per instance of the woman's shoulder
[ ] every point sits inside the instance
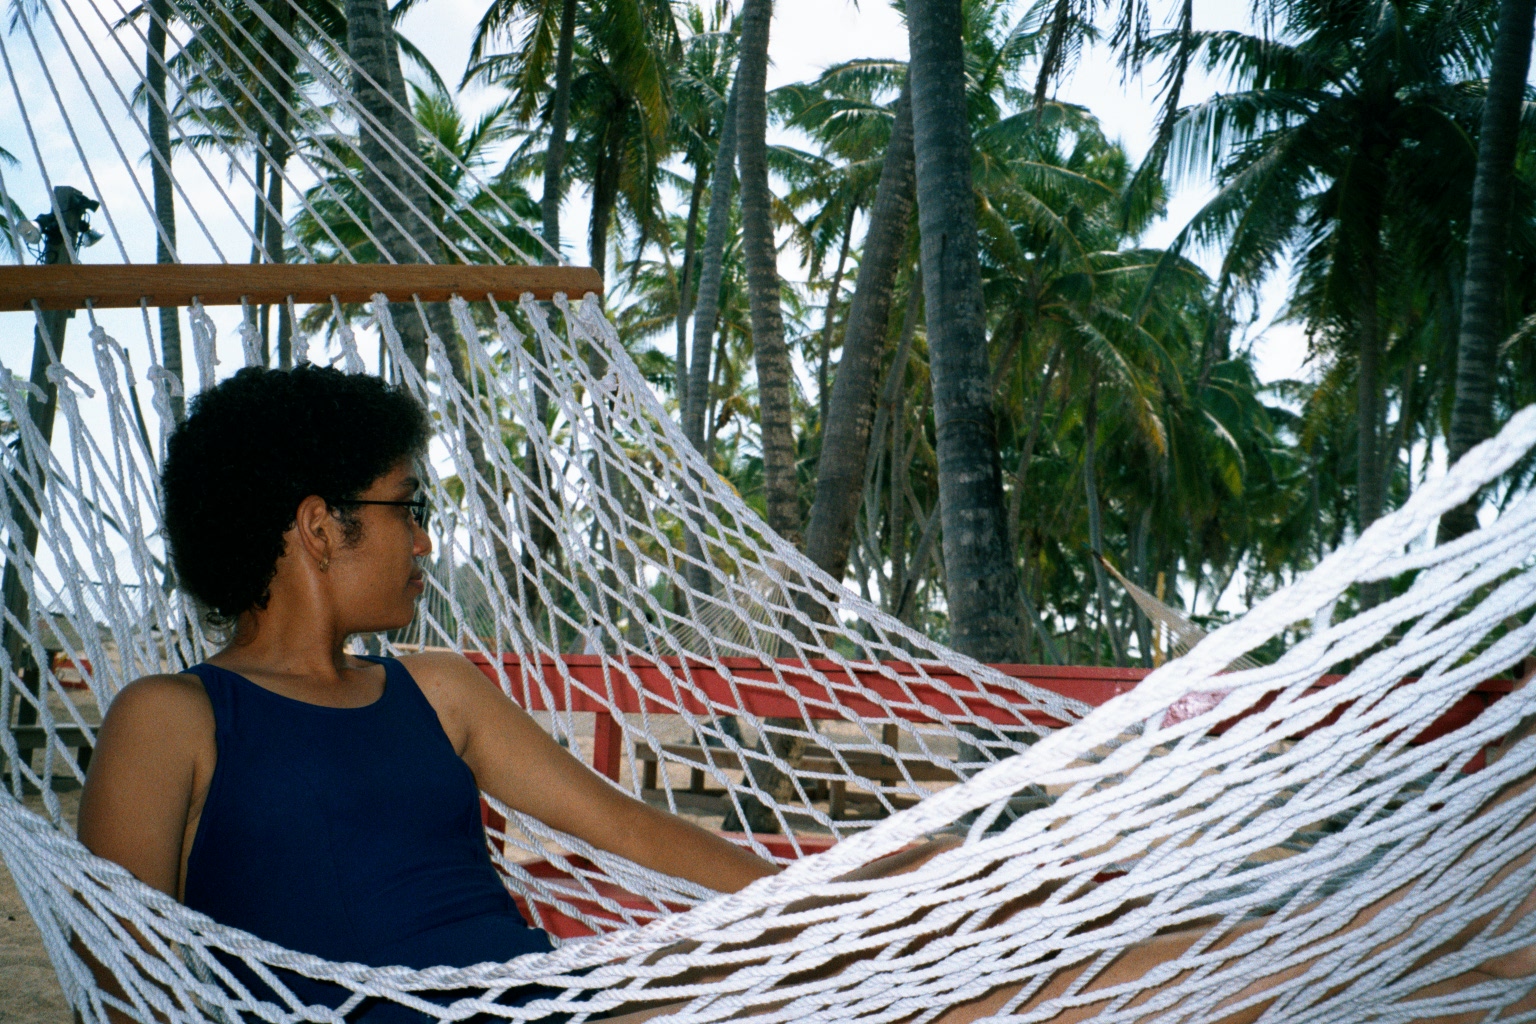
(437, 668)
(151, 768)
(160, 707)
(455, 687)
(162, 689)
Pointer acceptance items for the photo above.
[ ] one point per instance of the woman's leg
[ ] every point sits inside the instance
(1142, 957)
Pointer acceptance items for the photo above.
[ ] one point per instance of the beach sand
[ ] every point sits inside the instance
(29, 990)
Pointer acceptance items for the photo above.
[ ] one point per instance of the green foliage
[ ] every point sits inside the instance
(1341, 143)
(483, 218)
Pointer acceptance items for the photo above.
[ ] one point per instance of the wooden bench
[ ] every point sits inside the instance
(574, 681)
(816, 760)
(30, 738)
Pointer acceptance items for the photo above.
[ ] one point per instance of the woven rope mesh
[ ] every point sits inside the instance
(1298, 835)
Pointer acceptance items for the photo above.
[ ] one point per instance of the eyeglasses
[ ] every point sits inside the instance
(420, 510)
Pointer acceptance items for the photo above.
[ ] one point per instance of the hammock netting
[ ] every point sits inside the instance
(1334, 853)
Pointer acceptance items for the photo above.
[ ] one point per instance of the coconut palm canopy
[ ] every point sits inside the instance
(1114, 384)
(1127, 413)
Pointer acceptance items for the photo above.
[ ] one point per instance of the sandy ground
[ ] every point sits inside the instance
(29, 991)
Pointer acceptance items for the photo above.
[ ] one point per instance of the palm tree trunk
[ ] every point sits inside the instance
(896, 526)
(543, 537)
(1368, 400)
(1095, 523)
(1141, 573)
(705, 315)
(771, 357)
(47, 333)
(398, 198)
(1369, 489)
(982, 581)
(1036, 418)
(258, 214)
(1016, 506)
(399, 204)
(685, 282)
(711, 270)
(605, 199)
(770, 354)
(283, 60)
(823, 369)
(846, 429)
(1487, 248)
(716, 387)
(164, 191)
(277, 252)
(559, 118)
(259, 237)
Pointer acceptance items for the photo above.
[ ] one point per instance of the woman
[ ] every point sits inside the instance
(330, 803)
(327, 802)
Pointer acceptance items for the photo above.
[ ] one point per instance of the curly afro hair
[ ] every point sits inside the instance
(253, 448)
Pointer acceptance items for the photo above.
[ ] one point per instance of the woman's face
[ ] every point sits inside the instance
(378, 578)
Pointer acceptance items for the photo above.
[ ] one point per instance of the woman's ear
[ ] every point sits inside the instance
(316, 530)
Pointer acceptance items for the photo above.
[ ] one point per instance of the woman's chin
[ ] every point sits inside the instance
(384, 624)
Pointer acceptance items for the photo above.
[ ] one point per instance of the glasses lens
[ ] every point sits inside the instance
(421, 512)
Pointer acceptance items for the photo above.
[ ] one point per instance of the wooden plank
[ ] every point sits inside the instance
(122, 285)
(665, 683)
(865, 764)
(606, 749)
(35, 737)
(574, 682)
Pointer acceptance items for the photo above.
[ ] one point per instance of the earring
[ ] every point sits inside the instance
(325, 564)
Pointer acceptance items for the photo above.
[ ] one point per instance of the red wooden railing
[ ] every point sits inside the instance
(849, 689)
(942, 693)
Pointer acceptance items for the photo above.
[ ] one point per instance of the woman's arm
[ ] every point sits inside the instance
(519, 764)
(152, 762)
(153, 754)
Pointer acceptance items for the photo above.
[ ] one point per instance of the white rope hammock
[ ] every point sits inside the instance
(1321, 837)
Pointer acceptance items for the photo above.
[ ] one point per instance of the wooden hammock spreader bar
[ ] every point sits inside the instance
(123, 285)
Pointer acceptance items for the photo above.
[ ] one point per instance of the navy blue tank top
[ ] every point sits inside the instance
(353, 834)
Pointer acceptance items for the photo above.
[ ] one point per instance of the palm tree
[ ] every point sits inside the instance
(616, 103)
(48, 336)
(1481, 308)
(239, 80)
(711, 273)
(619, 110)
(11, 216)
(850, 410)
(164, 196)
(847, 112)
(1326, 143)
(982, 583)
(699, 105)
(464, 206)
(774, 375)
(400, 219)
(546, 23)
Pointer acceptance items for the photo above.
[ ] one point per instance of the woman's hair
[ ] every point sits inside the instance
(255, 446)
